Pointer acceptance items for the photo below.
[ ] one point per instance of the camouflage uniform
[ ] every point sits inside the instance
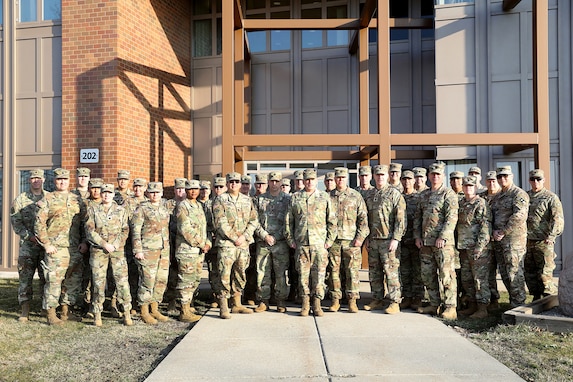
(409, 254)
(474, 233)
(211, 256)
(30, 254)
(387, 221)
(108, 225)
(130, 206)
(59, 222)
(233, 218)
(436, 218)
(191, 239)
(310, 224)
(509, 209)
(150, 236)
(121, 196)
(171, 293)
(545, 223)
(272, 212)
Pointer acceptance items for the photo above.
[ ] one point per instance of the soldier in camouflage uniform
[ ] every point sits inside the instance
(246, 185)
(387, 221)
(492, 189)
(310, 229)
(408, 253)
(107, 230)
(456, 178)
(261, 184)
(30, 254)
(192, 244)
(122, 192)
(476, 172)
(272, 249)
(364, 179)
(59, 229)
(545, 223)
(434, 224)
(329, 184)
(509, 209)
(150, 237)
(298, 180)
(83, 179)
(285, 186)
(235, 221)
(250, 292)
(345, 255)
(421, 178)
(394, 176)
(474, 233)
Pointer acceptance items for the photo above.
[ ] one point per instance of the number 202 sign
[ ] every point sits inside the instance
(89, 156)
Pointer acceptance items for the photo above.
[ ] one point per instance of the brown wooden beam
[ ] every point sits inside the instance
(474, 139)
(512, 149)
(306, 140)
(508, 5)
(227, 85)
(238, 15)
(302, 155)
(413, 154)
(384, 107)
(405, 23)
(365, 17)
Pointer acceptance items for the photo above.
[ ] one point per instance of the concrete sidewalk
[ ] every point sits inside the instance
(368, 346)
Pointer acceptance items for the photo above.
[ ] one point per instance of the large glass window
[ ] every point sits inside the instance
(207, 28)
(202, 38)
(52, 10)
(274, 40)
(1, 13)
(28, 10)
(49, 9)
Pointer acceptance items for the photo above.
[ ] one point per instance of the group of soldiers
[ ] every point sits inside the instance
(139, 249)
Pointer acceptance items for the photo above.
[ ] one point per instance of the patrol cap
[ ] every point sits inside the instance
(395, 167)
(155, 187)
(537, 173)
(380, 169)
(275, 175)
(191, 184)
(309, 173)
(456, 174)
(180, 183)
(329, 176)
(61, 173)
(205, 184)
(437, 168)
(477, 170)
(37, 173)
(341, 172)
(233, 176)
(219, 181)
(95, 183)
(364, 170)
(261, 178)
(285, 182)
(139, 182)
(469, 181)
(123, 174)
(244, 179)
(407, 175)
(107, 188)
(504, 170)
(299, 174)
(491, 175)
(83, 171)
(419, 171)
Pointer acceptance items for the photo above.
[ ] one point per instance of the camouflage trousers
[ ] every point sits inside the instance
(475, 275)
(538, 266)
(87, 286)
(439, 275)
(63, 273)
(171, 293)
(99, 263)
(213, 267)
(232, 263)
(345, 259)
(189, 268)
(311, 264)
(410, 271)
(72, 292)
(493, 271)
(509, 255)
(384, 265)
(29, 260)
(153, 273)
(272, 259)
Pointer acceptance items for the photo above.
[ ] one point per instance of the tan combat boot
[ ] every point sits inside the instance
(127, 318)
(352, 307)
(238, 306)
(430, 309)
(145, 316)
(450, 313)
(406, 303)
(393, 308)
(25, 311)
(471, 309)
(52, 318)
(156, 313)
(335, 306)
(224, 308)
(481, 312)
(263, 306)
(281, 307)
(305, 306)
(186, 315)
(64, 313)
(316, 308)
(493, 305)
(375, 305)
(113, 309)
(97, 319)
(416, 303)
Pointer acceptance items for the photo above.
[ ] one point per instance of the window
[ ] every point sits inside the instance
(331, 9)
(274, 40)
(52, 10)
(1, 15)
(30, 10)
(207, 28)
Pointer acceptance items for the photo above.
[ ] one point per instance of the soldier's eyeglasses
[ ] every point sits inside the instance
(535, 179)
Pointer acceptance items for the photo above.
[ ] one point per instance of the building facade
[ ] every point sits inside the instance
(170, 88)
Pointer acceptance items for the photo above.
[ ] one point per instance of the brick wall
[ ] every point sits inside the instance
(125, 69)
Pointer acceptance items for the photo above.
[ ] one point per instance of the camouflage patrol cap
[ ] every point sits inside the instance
(244, 179)
(275, 175)
(407, 175)
(537, 173)
(456, 174)
(329, 176)
(395, 167)
(37, 173)
(233, 176)
(504, 170)
(309, 173)
(107, 188)
(364, 170)
(179, 183)
(154, 187)
(61, 173)
(491, 175)
(474, 169)
(419, 171)
(83, 171)
(192, 184)
(205, 184)
(380, 169)
(469, 181)
(285, 182)
(123, 174)
(341, 172)
(261, 179)
(437, 168)
(299, 174)
(139, 182)
(95, 183)
(219, 181)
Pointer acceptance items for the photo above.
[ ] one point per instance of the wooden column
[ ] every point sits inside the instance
(383, 51)
(239, 102)
(364, 99)
(228, 88)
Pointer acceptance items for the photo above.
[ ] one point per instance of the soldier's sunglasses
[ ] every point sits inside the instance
(535, 179)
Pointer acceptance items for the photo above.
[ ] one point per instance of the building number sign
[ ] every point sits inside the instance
(89, 156)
